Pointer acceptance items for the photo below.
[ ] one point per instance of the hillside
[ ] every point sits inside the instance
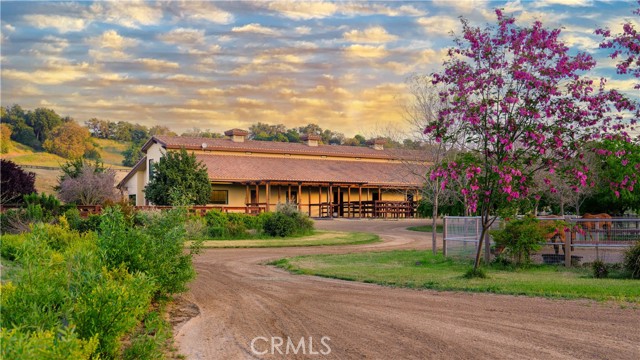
(46, 179)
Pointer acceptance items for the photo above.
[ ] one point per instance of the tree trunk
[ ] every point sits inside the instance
(562, 208)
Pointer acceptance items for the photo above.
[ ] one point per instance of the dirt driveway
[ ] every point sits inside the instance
(241, 301)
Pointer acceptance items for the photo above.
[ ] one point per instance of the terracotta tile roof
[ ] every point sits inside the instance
(195, 143)
(255, 168)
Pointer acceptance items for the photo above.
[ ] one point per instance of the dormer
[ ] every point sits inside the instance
(237, 135)
(311, 139)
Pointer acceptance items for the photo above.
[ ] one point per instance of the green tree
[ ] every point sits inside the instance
(132, 154)
(179, 173)
(43, 121)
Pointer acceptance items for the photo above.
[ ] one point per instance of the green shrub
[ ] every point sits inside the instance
(520, 238)
(76, 222)
(632, 261)
(472, 273)
(10, 246)
(279, 225)
(599, 269)
(14, 221)
(156, 249)
(59, 344)
(216, 219)
(49, 203)
(196, 228)
(112, 308)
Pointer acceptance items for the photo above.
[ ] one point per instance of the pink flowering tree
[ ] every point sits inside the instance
(625, 46)
(522, 104)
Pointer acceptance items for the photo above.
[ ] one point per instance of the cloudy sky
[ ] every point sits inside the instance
(218, 65)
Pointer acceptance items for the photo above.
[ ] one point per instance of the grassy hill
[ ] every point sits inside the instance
(46, 179)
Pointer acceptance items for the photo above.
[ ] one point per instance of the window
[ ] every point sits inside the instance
(132, 200)
(150, 169)
(219, 197)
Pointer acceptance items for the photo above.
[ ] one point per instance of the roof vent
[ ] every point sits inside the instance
(377, 144)
(311, 139)
(237, 135)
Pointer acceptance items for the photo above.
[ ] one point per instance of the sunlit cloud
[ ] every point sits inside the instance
(199, 11)
(158, 65)
(439, 25)
(303, 10)
(374, 34)
(51, 74)
(63, 24)
(131, 14)
(183, 36)
(366, 51)
(255, 28)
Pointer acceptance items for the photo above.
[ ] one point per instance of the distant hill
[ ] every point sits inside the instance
(46, 179)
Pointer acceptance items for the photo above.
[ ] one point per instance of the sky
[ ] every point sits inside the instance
(219, 65)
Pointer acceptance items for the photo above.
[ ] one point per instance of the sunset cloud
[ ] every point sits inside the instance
(374, 34)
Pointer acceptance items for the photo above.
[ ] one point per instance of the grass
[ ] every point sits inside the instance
(423, 270)
(110, 151)
(317, 239)
(426, 228)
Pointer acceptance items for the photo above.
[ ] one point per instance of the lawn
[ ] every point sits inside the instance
(423, 270)
(110, 152)
(317, 239)
(426, 228)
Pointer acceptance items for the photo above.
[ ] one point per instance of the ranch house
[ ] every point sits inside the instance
(323, 180)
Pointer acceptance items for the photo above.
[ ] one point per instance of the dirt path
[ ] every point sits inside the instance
(240, 300)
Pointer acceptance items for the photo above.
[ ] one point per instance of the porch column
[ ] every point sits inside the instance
(247, 196)
(267, 190)
(329, 200)
(279, 193)
(289, 194)
(257, 193)
(309, 202)
(339, 202)
(360, 200)
(299, 197)
(349, 200)
(319, 200)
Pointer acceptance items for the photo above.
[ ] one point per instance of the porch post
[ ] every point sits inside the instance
(247, 196)
(349, 200)
(339, 202)
(257, 193)
(279, 194)
(289, 194)
(267, 188)
(360, 200)
(320, 200)
(299, 197)
(309, 202)
(329, 200)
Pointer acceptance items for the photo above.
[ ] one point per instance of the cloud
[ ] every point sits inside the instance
(131, 14)
(439, 25)
(303, 10)
(546, 3)
(150, 90)
(366, 51)
(181, 36)
(254, 28)
(199, 11)
(158, 65)
(50, 46)
(52, 74)
(374, 34)
(63, 24)
(580, 41)
(111, 39)
(9, 27)
(303, 30)
(464, 7)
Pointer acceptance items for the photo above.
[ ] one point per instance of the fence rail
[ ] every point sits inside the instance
(462, 234)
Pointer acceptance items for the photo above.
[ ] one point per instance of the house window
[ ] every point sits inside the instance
(150, 169)
(132, 200)
(219, 197)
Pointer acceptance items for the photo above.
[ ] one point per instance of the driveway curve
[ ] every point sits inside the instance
(247, 308)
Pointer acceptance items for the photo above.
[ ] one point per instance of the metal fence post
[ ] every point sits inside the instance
(444, 236)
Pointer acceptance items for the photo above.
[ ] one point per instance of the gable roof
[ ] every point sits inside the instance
(195, 143)
(253, 168)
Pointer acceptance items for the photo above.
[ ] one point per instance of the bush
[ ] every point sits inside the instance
(10, 246)
(77, 223)
(15, 182)
(56, 344)
(156, 249)
(14, 221)
(279, 225)
(520, 238)
(475, 274)
(599, 269)
(632, 261)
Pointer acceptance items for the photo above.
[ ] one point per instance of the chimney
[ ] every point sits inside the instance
(377, 144)
(311, 139)
(237, 135)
